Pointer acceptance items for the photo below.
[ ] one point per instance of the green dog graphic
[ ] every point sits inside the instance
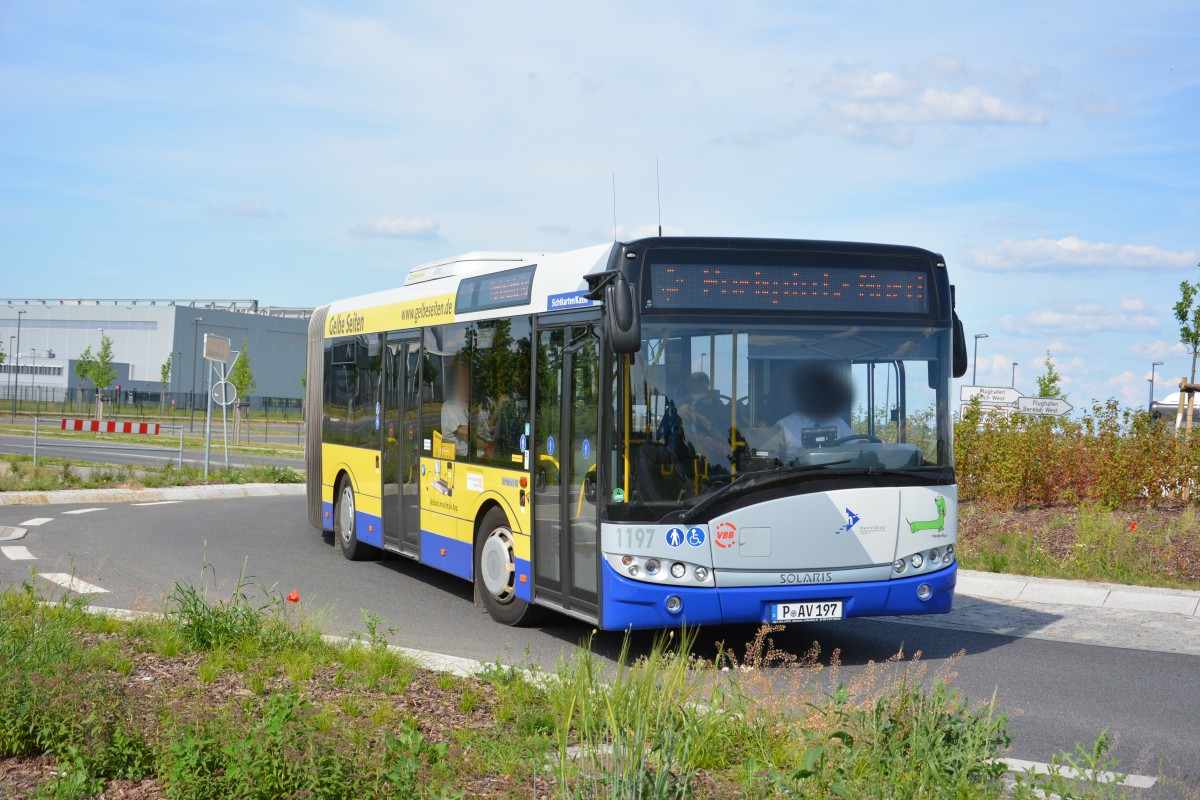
(938, 524)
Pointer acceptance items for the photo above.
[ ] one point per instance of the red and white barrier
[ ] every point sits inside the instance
(109, 426)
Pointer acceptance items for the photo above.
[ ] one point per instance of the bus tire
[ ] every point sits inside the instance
(496, 571)
(345, 523)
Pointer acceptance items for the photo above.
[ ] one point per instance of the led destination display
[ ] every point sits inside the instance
(851, 290)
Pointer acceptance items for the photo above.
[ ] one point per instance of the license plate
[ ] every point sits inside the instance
(806, 612)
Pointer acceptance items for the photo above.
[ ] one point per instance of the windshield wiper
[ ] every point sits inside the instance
(746, 478)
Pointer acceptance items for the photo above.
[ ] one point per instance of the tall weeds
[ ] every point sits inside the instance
(1110, 457)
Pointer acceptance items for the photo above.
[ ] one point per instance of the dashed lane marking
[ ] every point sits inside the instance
(68, 581)
(17, 553)
(83, 510)
(33, 523)
(159, 503)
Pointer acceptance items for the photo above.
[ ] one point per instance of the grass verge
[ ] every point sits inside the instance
(1146, 547)
(242, 698)
(17, 474)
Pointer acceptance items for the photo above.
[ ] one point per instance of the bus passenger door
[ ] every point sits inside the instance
(565, 543)
(400, 446)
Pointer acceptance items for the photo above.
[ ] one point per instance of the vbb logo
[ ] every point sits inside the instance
(726, 535)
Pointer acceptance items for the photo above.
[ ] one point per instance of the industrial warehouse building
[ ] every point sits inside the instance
(42, 340)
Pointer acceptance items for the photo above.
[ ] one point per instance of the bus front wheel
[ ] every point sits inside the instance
(345, 523)
(496, 571)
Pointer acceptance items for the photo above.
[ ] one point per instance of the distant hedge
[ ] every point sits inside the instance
(1111, 457)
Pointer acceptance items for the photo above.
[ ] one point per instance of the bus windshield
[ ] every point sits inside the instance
(710, 410)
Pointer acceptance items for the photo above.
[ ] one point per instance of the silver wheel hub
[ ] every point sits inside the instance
(346, 516)
(497, 563)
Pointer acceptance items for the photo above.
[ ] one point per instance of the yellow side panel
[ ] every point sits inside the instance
(409, 314)
(362, 467)
(459, 490)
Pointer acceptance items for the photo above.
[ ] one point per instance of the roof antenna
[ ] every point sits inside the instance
(658, 189)
(614, 182)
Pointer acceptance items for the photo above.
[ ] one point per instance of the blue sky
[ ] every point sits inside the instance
(297, 153)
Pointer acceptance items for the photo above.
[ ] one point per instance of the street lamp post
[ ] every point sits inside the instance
(195, 358)
(17, 356)
(11, 377)
(975, 360)
(1014, 377)
(1153, 364)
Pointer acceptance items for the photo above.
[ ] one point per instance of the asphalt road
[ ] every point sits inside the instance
(162, 451)
(1056, 693)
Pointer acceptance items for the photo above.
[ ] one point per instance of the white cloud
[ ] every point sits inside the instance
(969, 105)
(239, 210)
(399, 228)
(1072, 253)
(1158, 349)
(859, 83)
(1077, 319)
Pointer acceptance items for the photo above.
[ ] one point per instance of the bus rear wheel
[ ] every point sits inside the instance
(496, 571)
(345, 523)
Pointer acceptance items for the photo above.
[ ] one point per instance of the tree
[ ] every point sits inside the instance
(165, 375)
(242, 378)
(1187, 313)
(1050, 384)
(97, 369)
(1, 353)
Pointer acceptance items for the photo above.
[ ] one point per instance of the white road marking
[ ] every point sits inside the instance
(17, 553)
(83, 510)
(37, 521)
(159, 503)
(68, 581)
(1037, 767)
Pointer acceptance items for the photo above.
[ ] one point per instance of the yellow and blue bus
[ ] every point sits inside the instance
(648, 433)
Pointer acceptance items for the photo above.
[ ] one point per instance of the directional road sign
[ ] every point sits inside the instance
(1043, 406)
(216, 348)
(989, 395)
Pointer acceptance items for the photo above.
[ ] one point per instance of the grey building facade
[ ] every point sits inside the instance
(42, 340)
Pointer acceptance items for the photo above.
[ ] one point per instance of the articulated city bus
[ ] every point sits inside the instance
(650, 433)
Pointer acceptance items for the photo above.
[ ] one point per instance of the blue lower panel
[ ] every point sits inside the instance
(634, 604)
(448, 555)
(525, 587)
(368, 528)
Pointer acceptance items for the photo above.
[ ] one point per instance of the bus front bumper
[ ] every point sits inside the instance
(634, 604)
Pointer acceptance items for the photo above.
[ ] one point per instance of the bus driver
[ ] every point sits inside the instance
(823, 394)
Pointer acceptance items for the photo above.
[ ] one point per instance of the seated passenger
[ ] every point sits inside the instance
(823, 395)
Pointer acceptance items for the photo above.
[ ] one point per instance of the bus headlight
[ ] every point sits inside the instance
(900, 565)
(917, 560)
(653, 570)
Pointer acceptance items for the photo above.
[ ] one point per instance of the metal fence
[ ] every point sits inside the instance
(131, 402)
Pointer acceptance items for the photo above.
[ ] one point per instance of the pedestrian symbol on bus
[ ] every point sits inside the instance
(587, 449)
(695, 536)
(675, 537)
(550, 445)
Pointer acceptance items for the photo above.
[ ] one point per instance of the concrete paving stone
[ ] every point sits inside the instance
(1052, 593)
(1152, 601)
(980, 585)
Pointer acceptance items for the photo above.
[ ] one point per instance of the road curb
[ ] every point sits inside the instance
(206, 492)
(1091, 594)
